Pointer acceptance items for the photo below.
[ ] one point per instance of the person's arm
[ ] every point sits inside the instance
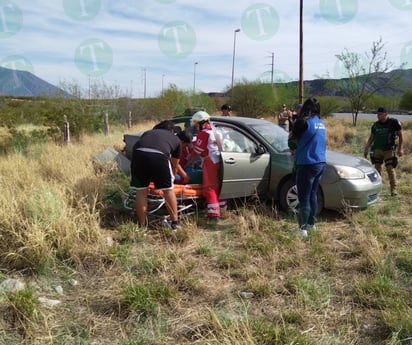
(400, 145)
(367, 146)
(183, 174)
(175, 164)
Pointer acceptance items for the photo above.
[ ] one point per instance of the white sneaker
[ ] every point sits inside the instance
(303, 232)
(312, 227)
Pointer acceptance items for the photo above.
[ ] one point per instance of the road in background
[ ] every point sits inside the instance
(365, 116)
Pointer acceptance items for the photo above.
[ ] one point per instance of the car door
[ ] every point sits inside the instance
(245, 163)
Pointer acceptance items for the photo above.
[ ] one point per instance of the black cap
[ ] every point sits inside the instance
(225, 107)
(381, 110)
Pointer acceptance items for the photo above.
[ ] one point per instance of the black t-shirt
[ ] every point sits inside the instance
(384, 134)
(160, 140)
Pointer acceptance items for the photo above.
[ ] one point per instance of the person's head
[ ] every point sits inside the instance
(382, 114)
(199, 118)
(184, 138)
(310, 107)
(226, 109)
(298, 108)
(166, 125)
(283, 107)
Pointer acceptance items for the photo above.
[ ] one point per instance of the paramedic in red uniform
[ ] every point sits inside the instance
(155, 158)
(206, 146)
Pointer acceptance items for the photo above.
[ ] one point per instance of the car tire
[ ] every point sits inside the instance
(288, 197)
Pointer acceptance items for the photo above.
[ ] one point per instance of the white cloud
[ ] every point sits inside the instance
(49, 37)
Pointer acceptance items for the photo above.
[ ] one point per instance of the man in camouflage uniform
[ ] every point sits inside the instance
(382, 145)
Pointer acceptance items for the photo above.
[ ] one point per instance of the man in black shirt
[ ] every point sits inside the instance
(155, 158)
(382, 145)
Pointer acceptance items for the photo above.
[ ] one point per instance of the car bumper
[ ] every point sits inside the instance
(355, 194)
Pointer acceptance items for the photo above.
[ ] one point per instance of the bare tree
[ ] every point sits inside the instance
(367, 75)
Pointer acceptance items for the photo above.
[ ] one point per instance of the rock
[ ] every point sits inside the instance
(12, 285)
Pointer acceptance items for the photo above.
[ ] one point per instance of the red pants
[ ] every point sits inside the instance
(211, 187)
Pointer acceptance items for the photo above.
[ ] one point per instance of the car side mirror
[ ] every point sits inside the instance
(260, 149)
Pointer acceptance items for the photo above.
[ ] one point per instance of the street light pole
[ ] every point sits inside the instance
(233, 59)
(194, 77)
(163, 77)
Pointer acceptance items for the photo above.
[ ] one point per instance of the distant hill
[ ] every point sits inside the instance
(25, 84)
(319, 86)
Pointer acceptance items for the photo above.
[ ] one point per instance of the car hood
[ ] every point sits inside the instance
(338, 158)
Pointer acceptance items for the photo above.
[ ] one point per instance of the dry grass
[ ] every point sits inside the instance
(250, 281)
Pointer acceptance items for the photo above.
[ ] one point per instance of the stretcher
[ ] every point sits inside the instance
(188, 196)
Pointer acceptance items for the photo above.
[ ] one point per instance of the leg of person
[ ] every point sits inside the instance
(377, 160)
(389, 159)
(211, 187)
(171, 203)
(141, 206)
(140, 180)
(304, 186)
(163, 180)
(317, 170)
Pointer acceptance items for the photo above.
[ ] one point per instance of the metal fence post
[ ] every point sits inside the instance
(66, 130)
(106, 123)
(129, 120)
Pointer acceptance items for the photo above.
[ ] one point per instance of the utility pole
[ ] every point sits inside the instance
(272, 71)
(301, 53)
(144, 82)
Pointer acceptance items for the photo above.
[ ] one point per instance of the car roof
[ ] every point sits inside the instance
(237, 120)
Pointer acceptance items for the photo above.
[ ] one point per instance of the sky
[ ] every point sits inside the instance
(141, 47)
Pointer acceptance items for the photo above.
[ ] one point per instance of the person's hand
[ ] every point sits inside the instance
(185, 179)
(399, 152)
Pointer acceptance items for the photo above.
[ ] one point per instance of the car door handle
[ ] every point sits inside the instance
(230, 161)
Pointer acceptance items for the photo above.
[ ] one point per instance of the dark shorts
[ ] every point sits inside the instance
(148, 167)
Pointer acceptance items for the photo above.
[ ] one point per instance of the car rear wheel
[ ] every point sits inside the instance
(288, 197)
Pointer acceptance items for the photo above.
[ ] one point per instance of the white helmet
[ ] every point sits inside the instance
(200, 116)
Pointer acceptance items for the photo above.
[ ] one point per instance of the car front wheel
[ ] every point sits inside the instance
(288, 197)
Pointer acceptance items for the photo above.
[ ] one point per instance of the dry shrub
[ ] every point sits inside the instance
(339, 134)
(46, 208)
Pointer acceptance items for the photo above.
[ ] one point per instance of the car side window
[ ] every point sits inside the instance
(233, 140)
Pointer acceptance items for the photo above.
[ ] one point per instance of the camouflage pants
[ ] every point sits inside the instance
(385, 157)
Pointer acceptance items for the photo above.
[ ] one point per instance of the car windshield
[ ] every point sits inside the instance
(274, 135)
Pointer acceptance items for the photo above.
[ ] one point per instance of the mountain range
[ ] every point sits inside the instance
(25, 84)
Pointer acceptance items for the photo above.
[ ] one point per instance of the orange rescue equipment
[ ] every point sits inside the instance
(181, 190)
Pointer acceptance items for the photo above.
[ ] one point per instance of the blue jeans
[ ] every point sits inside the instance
(307, 183)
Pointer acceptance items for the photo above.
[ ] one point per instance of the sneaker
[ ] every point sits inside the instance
(394, 193)
(311, 227)
(303, 232)
(171, 224)
(174, 226)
